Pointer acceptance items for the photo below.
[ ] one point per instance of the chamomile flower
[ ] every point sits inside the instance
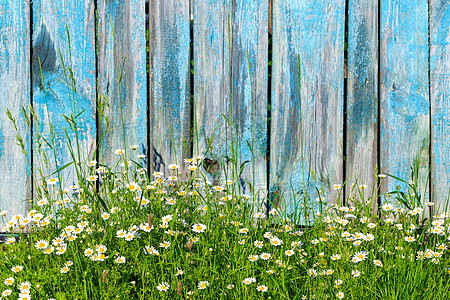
(312, 272)
(230, 286)
(253, 257)
(41, 244)
(42, 202)
(338, 282)
(101, 248)
(268, 235)
(340, 295)
(167, 219)
(64, 269)
(356, 273)
(261, 288)
(9, 280)
(276, 241)
(173, 166)
(360, 256)
(52, 181)
(378, 263)
(164, 244)
(24, 296)
(198, 228)
(163, 287)
(335, 257)
(202, 285)
(92, 178)
(17, 269)
(249, 280)
(243, 230)
(171, 201)
(6, 293)
(264, 256)
(409, 239)
(179, 272)
(289, 252)
(120, 260)
(258, 244)
(337, 186)
(145, 227)
(119, 151)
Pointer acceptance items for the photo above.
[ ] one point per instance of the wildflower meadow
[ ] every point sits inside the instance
(123, 232)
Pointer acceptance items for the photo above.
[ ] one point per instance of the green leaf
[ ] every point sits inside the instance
(242, 167)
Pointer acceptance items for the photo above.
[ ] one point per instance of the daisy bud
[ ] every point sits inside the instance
(179, 288)
(104, 276)
(149, 220)
(189, 245)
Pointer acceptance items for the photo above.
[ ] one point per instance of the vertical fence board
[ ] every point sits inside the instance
(14, 92)
(249, 92)
(54, 95)
(315, 120)
(170, 84)
(211, 82)
(440, 103)
(122, 77)
(362, 101)
(404, 91)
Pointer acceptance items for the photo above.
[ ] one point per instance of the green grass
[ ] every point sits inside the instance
(317, 262)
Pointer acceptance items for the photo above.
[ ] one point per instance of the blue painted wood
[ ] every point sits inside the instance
(307, 122)
(212, 83)
(122, 77)
(440, 101)
(405, 105)
(170, 72)
(15, 177)
(362, 98)
(249, 93)
(55, 93)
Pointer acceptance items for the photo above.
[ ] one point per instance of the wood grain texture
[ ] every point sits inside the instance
(169, 84)
(15, 175)
(212, 82)
(315, 31)
(405, 106)
(362, 98)
(122, 77)
(249, 92)
(54, 93)
(440, 101)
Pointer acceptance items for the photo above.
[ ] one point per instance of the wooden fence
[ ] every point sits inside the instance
(354, 88)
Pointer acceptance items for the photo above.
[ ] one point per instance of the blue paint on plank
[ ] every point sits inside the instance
(14, 92)
(2, 144)
(249, 26)
(405, 103)
(321, 99)
(58, 98)
(170, 74)
(440, 95)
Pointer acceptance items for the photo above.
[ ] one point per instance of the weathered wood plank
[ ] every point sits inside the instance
(122, 77)
(169, 84)
(362, 98)
(307, 131)
(15, 175)
(440, 101)
(212, 82)
(405, 106)
(54, 94)
(249, 92)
